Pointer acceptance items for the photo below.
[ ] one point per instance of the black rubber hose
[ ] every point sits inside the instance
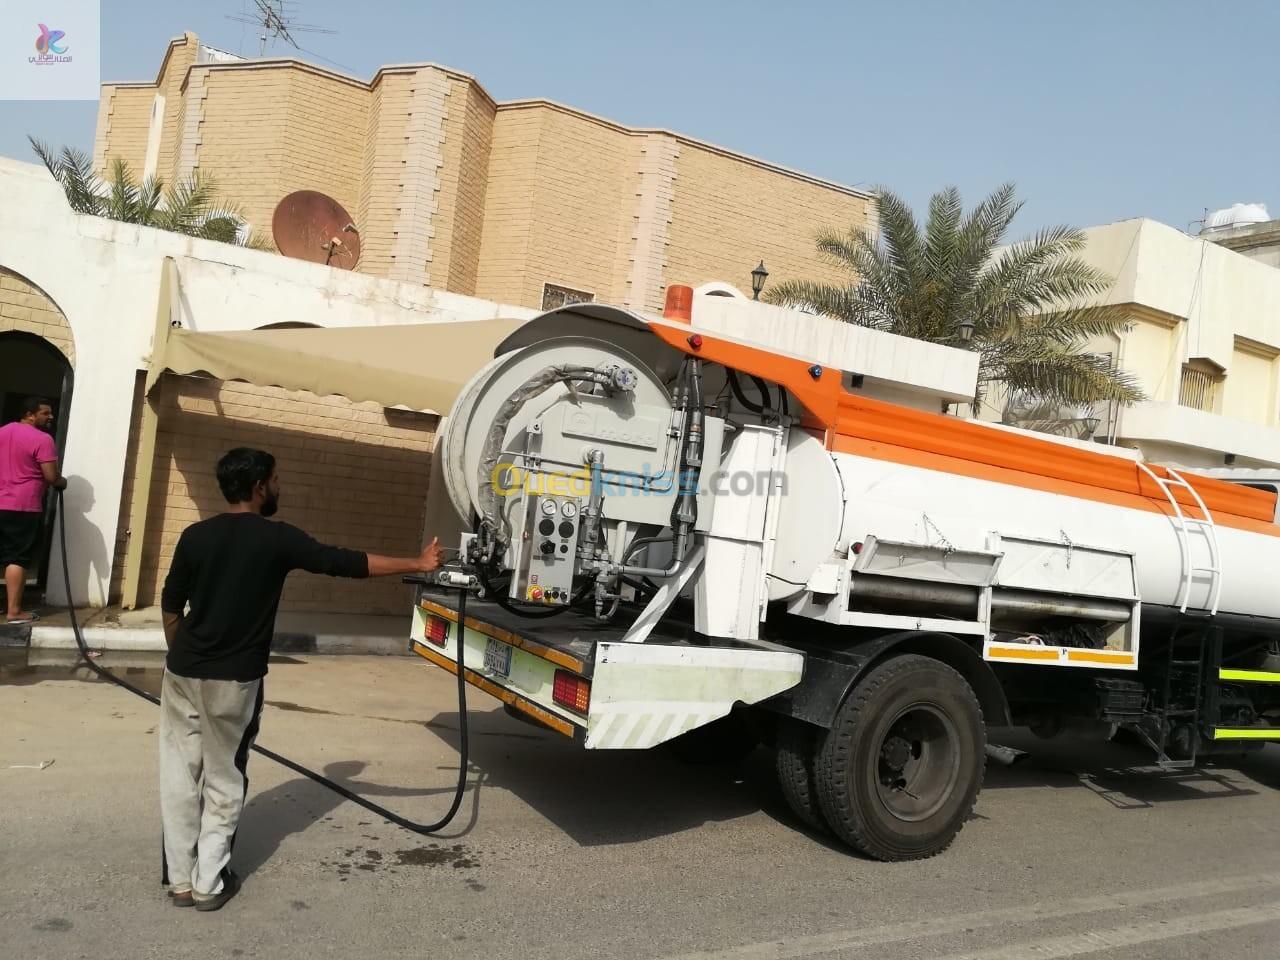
(742, 397)
(399, 821)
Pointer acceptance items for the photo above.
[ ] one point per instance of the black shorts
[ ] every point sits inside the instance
(20, 537)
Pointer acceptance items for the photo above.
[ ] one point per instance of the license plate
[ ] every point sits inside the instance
(497, 657)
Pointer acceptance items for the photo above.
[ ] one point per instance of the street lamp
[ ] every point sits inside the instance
(758, 276)
(966, 330)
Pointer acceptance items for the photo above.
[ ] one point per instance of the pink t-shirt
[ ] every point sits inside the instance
(22, 449)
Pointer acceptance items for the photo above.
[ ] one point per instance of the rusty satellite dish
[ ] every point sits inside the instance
(312, 226)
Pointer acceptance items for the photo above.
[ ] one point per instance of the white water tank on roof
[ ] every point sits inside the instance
(1236, 215)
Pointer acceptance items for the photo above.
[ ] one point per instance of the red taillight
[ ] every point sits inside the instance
(857, 548)
(571, 691)
(437, 630)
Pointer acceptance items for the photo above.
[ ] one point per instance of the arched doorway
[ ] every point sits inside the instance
(31, 366)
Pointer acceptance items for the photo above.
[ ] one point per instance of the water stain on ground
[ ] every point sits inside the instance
(433, 855)
(456, 856)
(22, 666)
(54, 925)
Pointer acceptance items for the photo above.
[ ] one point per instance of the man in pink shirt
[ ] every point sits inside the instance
(28, 465)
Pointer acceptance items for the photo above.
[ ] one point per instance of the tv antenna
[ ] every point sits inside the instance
(276, 20)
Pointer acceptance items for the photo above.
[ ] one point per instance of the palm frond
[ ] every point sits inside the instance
(850, 304)
(121, 202)
(186, 204)
(1067, 377)
(150, 194)
(73, 169)
(1036, 306)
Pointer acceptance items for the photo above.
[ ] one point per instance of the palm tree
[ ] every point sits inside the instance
(189, 207)
(1029, 309)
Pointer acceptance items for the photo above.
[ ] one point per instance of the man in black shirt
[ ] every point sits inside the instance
(219, 603)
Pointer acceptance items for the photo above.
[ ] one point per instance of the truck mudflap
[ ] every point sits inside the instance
(603, 693)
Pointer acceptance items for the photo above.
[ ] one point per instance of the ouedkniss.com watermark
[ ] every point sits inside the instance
(50, 49)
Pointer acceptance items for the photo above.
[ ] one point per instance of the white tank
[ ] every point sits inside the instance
(837, 499)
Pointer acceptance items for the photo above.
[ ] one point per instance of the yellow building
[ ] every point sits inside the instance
(526, 202)
(1204, 341)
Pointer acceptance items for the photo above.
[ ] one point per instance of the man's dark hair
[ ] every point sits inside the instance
(31, 406)
(242, 469)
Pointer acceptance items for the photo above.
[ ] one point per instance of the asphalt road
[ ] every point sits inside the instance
(559, 853)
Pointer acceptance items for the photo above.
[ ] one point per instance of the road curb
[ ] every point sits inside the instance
(152, 639)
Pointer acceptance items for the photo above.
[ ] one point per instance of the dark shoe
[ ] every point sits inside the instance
(184, 899)
(230, 887)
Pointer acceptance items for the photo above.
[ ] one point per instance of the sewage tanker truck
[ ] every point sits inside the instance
(673, 535)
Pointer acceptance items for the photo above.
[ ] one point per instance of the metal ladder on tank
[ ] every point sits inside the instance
(1183, 524)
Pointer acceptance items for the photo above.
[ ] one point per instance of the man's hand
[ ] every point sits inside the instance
(429, 559)
(431, 556)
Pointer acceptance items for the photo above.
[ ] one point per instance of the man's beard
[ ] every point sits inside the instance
(271, 505)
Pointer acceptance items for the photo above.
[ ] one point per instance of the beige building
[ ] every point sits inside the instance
(1203, 339)
(526, 202)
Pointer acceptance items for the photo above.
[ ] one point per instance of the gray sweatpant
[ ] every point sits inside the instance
(206, 729)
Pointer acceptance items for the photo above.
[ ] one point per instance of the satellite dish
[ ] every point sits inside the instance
(312, 226)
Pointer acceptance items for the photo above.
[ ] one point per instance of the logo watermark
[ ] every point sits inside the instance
(49, 46)
(510, 480)
(50, 49)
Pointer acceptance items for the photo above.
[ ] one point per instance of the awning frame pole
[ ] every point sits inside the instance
(146, 453)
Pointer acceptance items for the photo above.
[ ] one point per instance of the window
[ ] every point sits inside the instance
(554, 296)
(1199, 387)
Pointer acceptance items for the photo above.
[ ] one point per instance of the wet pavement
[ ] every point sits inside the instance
(20, 666)
(23, 666)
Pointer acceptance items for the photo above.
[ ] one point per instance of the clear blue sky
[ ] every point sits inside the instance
(1098, 110)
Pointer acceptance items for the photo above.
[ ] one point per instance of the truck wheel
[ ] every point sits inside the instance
(794, 761)
(901, 767)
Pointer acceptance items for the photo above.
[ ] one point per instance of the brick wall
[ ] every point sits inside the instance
(468, 140)
(448, 189)
(728, 214)
(27, 308)
(269, 131)
(324, 138)
(584, 169)
(172, 79)
(125, 118)
(349, 476)
(508, 206)
(385, 168)
(244, 138)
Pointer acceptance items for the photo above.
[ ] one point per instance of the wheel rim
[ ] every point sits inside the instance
(917, 762)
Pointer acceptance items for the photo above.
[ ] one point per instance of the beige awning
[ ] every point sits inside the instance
(422, 366)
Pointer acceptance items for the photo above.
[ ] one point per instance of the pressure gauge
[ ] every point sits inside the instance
(548, 507)
(569, 508)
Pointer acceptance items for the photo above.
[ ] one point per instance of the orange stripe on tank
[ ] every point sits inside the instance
(984, 471)
(855, 423)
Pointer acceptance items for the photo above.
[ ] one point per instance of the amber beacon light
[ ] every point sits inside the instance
(679, 304)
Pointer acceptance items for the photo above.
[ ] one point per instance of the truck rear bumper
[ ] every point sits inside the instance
(637, 695)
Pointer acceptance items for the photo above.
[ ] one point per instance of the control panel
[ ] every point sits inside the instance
(548, 551)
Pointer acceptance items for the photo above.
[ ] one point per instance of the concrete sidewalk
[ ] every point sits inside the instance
(111, 628)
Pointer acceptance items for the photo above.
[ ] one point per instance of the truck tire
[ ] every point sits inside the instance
(900, 769)
(794, 762)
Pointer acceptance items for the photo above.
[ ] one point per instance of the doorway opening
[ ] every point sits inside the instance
(31, 366)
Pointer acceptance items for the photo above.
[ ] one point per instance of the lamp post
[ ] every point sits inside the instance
(966, 331)
(758, 276)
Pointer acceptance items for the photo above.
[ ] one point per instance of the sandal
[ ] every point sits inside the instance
(19, 621)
